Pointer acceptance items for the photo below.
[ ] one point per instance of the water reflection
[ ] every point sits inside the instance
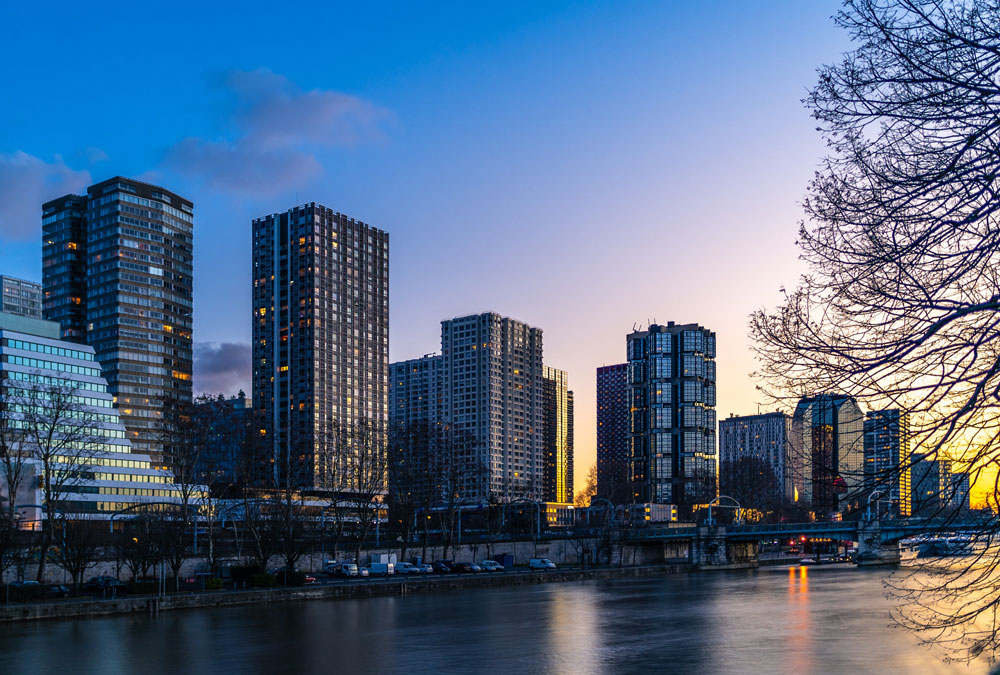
(795, 621)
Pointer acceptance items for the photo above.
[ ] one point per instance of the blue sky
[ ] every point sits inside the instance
(580, 166)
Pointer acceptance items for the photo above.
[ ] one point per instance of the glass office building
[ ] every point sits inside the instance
(827, 453)
(672, 419)
(51, 381)
(117, 275)
(887, 458)
(558, 436)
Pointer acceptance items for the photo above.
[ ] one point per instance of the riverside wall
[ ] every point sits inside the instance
(87, 608)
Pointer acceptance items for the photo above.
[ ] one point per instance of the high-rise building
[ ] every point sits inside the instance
(488, 391)
(672, 425)
(557, 436)
(613, 401)
(416, 391)
(492, 369)
(765, 436)
(320, 339)
(74, 427)
(887, 458)
(958, 490)
(20, 297)
(117, 267)
(827, 452)
(936, 486)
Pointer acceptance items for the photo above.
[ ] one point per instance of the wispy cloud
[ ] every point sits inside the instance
(221, 367)
(277, 129)
(25, 183)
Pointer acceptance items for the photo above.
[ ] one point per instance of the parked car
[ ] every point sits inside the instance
(541, 564)
(474, 568)
(491, 566)
(460, 567)
(442, 566)
(363, 572)
(381, 569)
(407, 568)
(310, 579)
(100, 583)
(57, 591)
(346, 569)
(28, 583)
(426, 568)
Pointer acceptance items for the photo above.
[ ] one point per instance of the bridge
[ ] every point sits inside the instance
(736, 545)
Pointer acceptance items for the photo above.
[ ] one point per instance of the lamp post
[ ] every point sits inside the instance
(868, 511)
(718, 502)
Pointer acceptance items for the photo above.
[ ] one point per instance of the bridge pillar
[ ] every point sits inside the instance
(708, 548)
(872, 550)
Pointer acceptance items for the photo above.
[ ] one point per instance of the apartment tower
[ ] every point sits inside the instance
(320, 340)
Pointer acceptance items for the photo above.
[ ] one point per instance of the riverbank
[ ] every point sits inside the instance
(78, 608)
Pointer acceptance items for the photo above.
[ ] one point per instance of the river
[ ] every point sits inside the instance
(774, 620)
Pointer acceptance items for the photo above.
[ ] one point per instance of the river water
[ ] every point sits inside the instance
(774, 620)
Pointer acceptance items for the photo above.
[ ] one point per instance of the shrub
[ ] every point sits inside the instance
(242, 573)
(261, 580)
(213, 584)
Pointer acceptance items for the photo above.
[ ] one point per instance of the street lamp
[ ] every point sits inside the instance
(717, 502)
(868, 511)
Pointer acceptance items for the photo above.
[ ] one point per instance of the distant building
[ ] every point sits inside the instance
(936, 487)
(100, 474)
(416, 391)
(613, 402)
(958, 493)
(320, 339)
(672, 423)
(117, 274)
(489, 385)
(229, 421)
(887, 458)
(557, 436)
(765, 436)
(20, 297)
(492, 368)
(827, 452)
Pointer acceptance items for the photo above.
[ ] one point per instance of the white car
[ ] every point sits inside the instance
(491, 566)
(407, 568)
(541, 564)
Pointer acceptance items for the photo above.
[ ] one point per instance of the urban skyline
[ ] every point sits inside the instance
(397, 157)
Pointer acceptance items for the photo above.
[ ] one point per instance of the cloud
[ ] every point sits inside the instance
(25, 183)
(278, 127)
(221, 367)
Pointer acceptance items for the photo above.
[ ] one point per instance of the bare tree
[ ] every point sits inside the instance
(139, 543)
(589, 490)
(750, 480)
(900, 305)
(409, 478)
(58, 438)
(360, 472)
(459, 474)
(80, 545)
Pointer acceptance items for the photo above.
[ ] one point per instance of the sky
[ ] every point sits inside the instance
(583, 167)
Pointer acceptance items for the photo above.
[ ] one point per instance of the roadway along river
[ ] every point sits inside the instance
(775, 620)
